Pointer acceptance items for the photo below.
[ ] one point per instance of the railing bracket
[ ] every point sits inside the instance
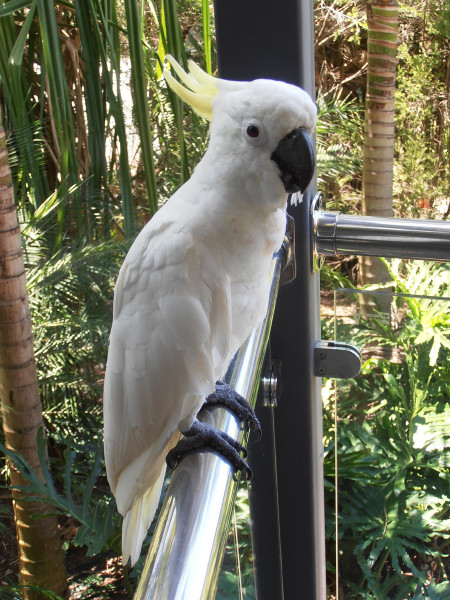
(270, 382)
(336, 360)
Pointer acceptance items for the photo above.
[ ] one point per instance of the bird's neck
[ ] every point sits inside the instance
(242, 185)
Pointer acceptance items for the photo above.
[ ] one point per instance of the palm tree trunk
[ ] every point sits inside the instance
(41, 560)
(382, 21)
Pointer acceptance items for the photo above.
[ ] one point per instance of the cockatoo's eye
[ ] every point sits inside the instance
(254, 132)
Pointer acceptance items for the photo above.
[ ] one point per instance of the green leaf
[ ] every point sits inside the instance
(434, 352)
(61, 110)
(16, 56)
(140, 89)
(98, 518)
(8, 8)
(48, 206)
(207, 35)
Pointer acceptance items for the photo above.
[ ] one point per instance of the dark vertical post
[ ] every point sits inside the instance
(274, 39)
(298, 427)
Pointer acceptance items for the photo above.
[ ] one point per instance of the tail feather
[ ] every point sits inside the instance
(138, 519)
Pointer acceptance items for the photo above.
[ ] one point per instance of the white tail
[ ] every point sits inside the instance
(138, 519)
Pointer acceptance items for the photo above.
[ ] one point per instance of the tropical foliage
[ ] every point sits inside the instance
(421, 100)
(392, 435)
(91, 164)
(81, 198)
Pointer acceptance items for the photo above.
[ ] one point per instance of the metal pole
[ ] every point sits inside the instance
(275, 40)
(339, 234)
(186, 551)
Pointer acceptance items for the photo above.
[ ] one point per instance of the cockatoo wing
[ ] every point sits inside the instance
(170, 337)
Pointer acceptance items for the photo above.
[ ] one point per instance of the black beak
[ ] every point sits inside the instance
(294, 157)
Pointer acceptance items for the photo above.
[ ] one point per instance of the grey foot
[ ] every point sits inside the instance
(203, 436)
(226, 396)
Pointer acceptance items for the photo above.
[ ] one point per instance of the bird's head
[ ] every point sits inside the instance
(264, 125)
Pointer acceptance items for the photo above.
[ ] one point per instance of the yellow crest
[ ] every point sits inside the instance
(202, 87)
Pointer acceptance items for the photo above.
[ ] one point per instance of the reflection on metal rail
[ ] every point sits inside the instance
(186, 552)
(339, 234)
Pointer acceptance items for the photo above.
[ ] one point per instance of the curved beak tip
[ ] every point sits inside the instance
(295, 159)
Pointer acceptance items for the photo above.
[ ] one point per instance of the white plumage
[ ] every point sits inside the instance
(193, 285)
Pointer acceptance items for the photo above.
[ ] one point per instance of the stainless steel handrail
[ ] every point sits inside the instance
(340, 234)
(184, 558)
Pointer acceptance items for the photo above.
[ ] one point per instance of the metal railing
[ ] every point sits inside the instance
(340, 234)
(185, 555)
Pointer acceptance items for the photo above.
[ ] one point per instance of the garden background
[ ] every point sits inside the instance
(95, 143)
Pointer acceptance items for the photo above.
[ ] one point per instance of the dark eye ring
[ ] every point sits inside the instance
(253, 131)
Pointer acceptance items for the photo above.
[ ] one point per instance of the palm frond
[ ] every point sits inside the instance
(96, 514)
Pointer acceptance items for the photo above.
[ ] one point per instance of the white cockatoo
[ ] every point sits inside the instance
(196, 280)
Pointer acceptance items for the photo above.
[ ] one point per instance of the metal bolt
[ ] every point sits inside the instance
(321, 370)
(270, 390)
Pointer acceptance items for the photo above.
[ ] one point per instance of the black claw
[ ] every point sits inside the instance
(248, 474)
(226, 396)
(203, 436)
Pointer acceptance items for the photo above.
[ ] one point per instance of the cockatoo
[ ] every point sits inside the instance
(196, 280)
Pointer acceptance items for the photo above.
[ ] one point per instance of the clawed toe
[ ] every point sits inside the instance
(226, 396)
(203, 436)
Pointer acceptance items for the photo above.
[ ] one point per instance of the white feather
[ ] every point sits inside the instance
(138, 519)
(192, 287)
